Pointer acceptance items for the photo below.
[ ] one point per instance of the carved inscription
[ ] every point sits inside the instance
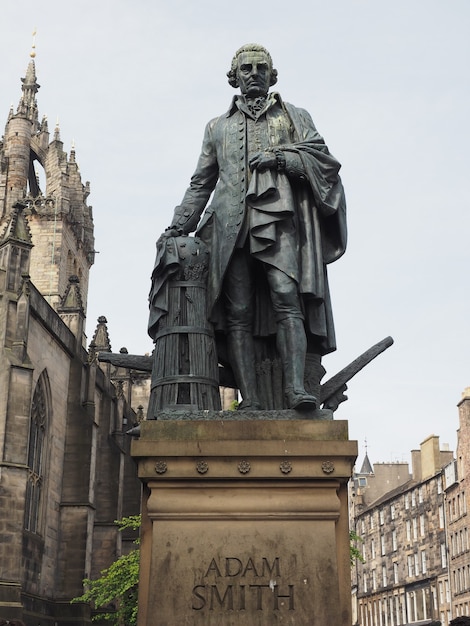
(233, 584)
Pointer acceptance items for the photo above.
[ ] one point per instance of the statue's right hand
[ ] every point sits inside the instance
(171, 231)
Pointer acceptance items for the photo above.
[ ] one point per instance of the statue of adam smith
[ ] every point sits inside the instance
(276, 219)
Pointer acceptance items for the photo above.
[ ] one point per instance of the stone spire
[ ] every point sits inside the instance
(34, 168)
(15, 247)
(101, 340)
(72, 298)
(30, 84)
(28, 105)
(71, 310)
(366, 467)
(57, 131)
(17, 228)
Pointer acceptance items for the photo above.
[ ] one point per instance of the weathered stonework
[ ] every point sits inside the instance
(400, 521)
(65, 469)
(457, 507)
(245, 522)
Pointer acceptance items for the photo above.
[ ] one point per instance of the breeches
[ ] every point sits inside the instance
(239, 289)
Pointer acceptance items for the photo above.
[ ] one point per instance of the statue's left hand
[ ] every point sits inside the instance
(263, 161)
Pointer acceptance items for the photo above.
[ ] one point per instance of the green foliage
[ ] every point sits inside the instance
(233, 405)
(115, 591)
(354, 552)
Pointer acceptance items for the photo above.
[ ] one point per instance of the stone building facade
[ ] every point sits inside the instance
(457, 475)
(65, 469)
(405, 577)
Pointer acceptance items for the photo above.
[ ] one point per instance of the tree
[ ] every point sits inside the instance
(354, 552)
(115, 591)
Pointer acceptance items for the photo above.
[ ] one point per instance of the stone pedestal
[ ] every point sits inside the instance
(245, 522)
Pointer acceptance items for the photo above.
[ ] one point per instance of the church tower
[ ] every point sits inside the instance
(60, 221)
(65, 467)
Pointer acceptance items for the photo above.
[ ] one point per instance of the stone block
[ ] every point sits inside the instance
(245, 522)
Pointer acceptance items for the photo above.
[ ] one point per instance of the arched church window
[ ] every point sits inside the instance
(40, 409)
(69, 263)
(36, 177)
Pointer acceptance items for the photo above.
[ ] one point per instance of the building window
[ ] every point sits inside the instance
(434, 597)
(381, 517)
(374, 580)
(392, 511)
(408, 530)
(391, 611)
(411, 606)
(413, 498)
(372, 549)
(384, 576)
(416, 563)
(423, 561)
(36, 454)
(362, 481)
(420, 495)
(407, 501)
(382, 545)
(394, 540)
(397, 609)
(395, 573)
(441, 516)
(415, 528)
(364, 582)
(443, 556)
(410, 565)
(422, 525)
(439, 484)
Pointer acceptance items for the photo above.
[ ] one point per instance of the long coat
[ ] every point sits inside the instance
(318, 205)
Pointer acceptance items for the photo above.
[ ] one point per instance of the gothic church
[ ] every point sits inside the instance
(65, 469)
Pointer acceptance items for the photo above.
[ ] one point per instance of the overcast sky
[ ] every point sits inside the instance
(387, 83)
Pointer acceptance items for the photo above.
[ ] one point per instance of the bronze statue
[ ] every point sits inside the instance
(276, 219)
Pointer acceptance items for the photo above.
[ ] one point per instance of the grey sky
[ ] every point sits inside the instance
(387, 84)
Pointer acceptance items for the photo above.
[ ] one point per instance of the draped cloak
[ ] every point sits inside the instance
(269, 203)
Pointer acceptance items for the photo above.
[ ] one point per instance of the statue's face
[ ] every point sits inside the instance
(254, 73)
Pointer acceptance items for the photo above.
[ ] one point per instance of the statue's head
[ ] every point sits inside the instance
(252, 70)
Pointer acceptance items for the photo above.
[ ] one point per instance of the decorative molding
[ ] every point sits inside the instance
(328, 467)
(202, 467)
(285, 467)
(244, 467)
(161, 467)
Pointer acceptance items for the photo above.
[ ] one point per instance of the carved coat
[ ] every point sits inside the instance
(314, 203)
